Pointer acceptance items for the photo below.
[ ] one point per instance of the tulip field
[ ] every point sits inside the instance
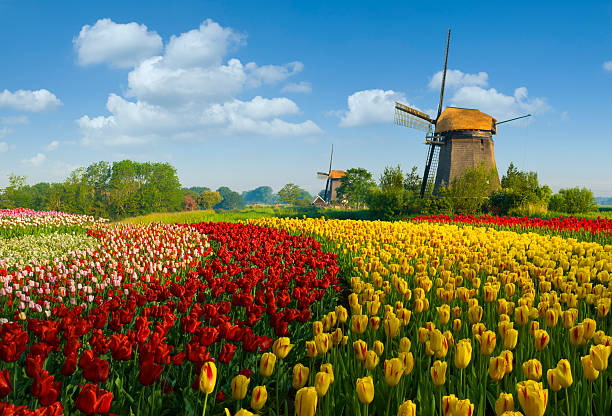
(433, 316)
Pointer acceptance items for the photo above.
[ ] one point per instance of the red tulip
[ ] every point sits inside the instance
(45, 389)
(93, 400)
(5, 383)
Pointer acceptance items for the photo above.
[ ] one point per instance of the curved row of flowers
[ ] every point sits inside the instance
(134, 325)
(459, 320)
(23, 221)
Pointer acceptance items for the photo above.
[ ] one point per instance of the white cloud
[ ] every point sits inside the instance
(302, 87)
(26, 100)
(370, 106)
(9, 120)
(5, 131)
(497, 104)
(119, 45)
(52, 146)
(35, 161)
(4, 147)
(607, 66)
(457, 79)
(191, 91)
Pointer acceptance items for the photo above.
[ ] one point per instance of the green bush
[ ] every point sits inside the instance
(573, 201)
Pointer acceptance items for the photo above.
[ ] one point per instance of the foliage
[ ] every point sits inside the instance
(230, 199)
(290, 193)
(520, 191)
(468, 193)
(208, 199)
(189, 204)
(260, 195)
(573, 201)
(397, 194)
(355, 186)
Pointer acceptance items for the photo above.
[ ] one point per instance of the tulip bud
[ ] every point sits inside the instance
(521, 315)
(391, 326)
(475, 314)
(341, 313)
(408, 361)
(532, 397)
(266, 364)
(599, 356)
(322, 381)
(311, 349)
(408, 408)
(240, 385)
(504, 403)
(497, 368)
(590, 326)
(371, 360)
(281, 347)
(259, 397)
(300, 376)
(457, 325)
(510, 339)
(590, 372)
(464, 408)
(569, 317)
(576, 335)
(404, 345)
(541, 339)
(534, 326)
(532, 369)
(374, 323)
(449, 403)
(378, 347)
(359, 323)
(322, 343)
(463, 353)
(337, 336)
(360, 347)
(306, 401)
(487, 342)
(444, 314)
(551, 318)
(329, 369)
(438, 372)
(553, 379)
(423, 335)
(317, 328)
(564, 372)
(365, 390)
(208, 377)
(394, 369)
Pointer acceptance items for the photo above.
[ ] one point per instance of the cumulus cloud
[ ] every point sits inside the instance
(118, 45)
(301, 87)
(191, 90)
(35, 160)
(26, 100)
(370, 106)
(607, 66)
(457, 79)
(52, 146)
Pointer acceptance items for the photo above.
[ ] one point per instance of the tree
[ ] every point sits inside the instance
(469, 191)
(519, 190)
(260, 195)
(208, 199)
(290, 193)
(355, 186)
(231, 200)
(189, 203)
(573, 201)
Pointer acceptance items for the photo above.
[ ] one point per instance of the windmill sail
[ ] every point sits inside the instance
(411, 117)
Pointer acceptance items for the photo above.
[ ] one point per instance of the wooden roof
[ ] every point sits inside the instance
(337, 174)
(453, 118)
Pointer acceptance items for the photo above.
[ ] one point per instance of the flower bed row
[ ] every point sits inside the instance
(461, 320)
(127, 328)
(23, 221)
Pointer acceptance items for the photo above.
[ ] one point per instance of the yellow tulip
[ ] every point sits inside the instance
(300, 376)
(329, 369)
(378, 347)
(475, 314)
(419, 305)
(504, 403)
(391, 326)
(266, 364)
(404, 345)
(408, 361)
(449, 403)
(521, 315)
(408, 408)
(208, 377)
(444, 314)
(306, 401)
(599, 356)
(464, 408)
(532, 397)
(394, 369)
(281, 347)
(311, 349)
(359, 323)
(532, 369)
(569, 317)
(576, 335)
(551, 318)
(361, 348)
(371, 360)
(423, 335)
(457, 312)
(365, 389)
(374, 323)
(589, 371)
(463, 353)
(497, 368)
(509, 358)
(534, 326)
(337, 337)
(457, 325)
(541, 339)
(259, 397)
(317, 328)
(487, 342)
(590, 326)
(552, 377)
(438, 372)
(241, 412)
(322, 343)
(341, 313)
(240, 385)
(322, 381)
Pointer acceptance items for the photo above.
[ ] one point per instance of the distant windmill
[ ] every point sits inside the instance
(332, 178)
(458, 138)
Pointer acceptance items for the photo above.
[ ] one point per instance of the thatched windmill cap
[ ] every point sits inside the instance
(454, 118)
(336, 174)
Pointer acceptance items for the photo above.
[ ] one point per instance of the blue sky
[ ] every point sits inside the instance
(243, 94)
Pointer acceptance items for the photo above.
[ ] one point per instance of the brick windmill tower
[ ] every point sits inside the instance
(458, 139)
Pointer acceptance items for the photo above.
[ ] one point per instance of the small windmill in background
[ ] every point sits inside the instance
(333, 180)
(458, 139)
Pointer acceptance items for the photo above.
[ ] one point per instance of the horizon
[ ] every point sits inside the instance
(211, 88)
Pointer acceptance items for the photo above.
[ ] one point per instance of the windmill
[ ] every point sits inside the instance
(332, 178)
(458, 138)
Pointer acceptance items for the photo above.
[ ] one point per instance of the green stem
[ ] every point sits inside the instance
(440, 399)
(205, 402)
(277, 384)
(568, 403)
(389, 401)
